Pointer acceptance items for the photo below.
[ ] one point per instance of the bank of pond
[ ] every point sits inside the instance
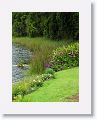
(39, 62)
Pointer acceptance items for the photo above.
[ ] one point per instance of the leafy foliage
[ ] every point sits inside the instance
(53, 25)
(29, 85)
(47, 76)
(65, 57)
(50, 71)
(25, 86)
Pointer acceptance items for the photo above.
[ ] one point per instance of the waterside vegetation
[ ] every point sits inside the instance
(53, 39)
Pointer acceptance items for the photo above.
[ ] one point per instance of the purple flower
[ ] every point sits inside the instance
(47, 65)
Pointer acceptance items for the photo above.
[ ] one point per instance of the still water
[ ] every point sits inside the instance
(20, 55)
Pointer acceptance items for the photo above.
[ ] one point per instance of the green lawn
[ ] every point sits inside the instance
(65, 88)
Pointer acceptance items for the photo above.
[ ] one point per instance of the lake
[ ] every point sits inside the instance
(20, 55)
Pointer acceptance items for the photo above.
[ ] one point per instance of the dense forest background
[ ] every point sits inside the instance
(53, 25)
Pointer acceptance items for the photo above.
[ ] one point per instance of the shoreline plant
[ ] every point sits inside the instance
(29, 85)
(65, 57)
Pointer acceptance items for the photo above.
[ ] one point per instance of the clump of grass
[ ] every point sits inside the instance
(37, 43)
(42, 48)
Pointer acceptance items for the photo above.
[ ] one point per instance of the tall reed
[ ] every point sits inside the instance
(41, 49)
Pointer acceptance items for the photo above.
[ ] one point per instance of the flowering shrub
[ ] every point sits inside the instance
(25, 87)
(65, 57)
(38, 82)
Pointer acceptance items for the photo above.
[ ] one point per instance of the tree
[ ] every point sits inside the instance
(53, 25)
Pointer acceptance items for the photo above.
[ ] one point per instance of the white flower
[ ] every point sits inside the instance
(34, 80)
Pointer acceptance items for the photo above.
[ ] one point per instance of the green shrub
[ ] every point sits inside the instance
(49, 71)
(65, 57)
(47, 76)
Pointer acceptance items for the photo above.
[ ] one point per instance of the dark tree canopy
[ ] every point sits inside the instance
(53, 25)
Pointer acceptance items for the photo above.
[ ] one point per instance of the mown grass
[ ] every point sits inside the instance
(64, 88)
(42, 48)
